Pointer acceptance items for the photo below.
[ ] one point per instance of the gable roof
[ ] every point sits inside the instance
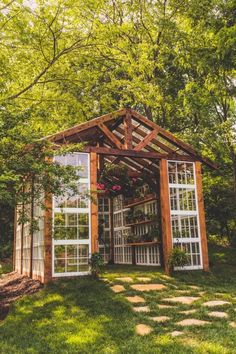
(127, 129)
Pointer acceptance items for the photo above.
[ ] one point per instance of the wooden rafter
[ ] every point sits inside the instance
(146, 140)
(128, 131)
(112, 137)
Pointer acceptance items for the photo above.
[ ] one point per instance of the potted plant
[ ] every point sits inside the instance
(96, 264)
(178, 258)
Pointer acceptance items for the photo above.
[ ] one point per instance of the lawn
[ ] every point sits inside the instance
(85, 316)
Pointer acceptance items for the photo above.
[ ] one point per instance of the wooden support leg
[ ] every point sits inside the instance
(165, 214)
(94, 203)
(48, 239)
(201, 214)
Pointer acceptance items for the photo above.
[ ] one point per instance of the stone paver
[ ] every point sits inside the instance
(143, 330)
(141, 309)
(176, 333)
(148, 287)
(202, 293)
(125, 279)
(166, 276)
(194, 287)
(186, 300)
(192, 322)
(232, 324)
(188, 312)
(183, 291)
(165, 306)
(218, 314)
(144, 278)
(215, 303)
(160, 319)
(117, 288)
(135, 299)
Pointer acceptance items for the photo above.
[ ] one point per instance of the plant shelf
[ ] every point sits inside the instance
(143, 200)
(141, 223)
(143, 243)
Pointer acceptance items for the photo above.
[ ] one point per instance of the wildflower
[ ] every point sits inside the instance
(100, 186)
(116, 187)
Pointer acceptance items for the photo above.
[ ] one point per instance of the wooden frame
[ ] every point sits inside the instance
(128, 137)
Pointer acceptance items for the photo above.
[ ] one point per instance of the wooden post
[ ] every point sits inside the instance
(201, 215)
(14, 244)
(94, 203)
(32, 229)
(165, 213)
(22, 233)
(48, 239)
(111, 260)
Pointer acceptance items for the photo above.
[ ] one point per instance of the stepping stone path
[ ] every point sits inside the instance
(117, 288)
(125, 279)
(148, 287)
(143, 330)
(160, 319)
(232, 324)
(188, 312)
(141, 309)
(135, 299)
(165, 306)
(192, 322)
(215, 303)
(185, 300)
(176, 333)
(144, 279)
(218, 314)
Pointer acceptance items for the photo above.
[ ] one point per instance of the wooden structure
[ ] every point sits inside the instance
(69, 229)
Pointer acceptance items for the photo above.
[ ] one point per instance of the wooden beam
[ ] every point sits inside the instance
(201, 215)
(138, 154)
(113, 139)
(48, 238)
(94, 202)
(128, 131)
(171, 138)
(84, 126)
(111, 231)
(165, 214)
(146, 140)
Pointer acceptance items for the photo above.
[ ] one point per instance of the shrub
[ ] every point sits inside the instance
(96, 263)
(178, 258)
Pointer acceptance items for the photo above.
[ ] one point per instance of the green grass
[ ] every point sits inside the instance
(84, 316)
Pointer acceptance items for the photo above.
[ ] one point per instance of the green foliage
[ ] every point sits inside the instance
(96, 264)
(178, 258)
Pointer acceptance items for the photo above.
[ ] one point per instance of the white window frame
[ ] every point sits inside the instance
(186, 213)
(73, 242)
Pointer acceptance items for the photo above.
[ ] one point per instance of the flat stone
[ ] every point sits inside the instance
(125, 279)
(186, 300)
(215, 303)
(117, 288)
(194, 287)
(141, 309)
(166, 276)
(183, 291)
(232, 324)
(192, 322)
(165, 307)
(202, 293)
(148, 287)
(188, 312)
(160, 319)
(176, 333)
(218, 314)
(135, 299)
(143, 330)
(144, 279)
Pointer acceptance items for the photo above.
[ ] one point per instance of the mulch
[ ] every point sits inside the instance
(14, 286)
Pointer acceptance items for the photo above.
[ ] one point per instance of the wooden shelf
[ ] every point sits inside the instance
(142, 243)
(141, 222)
(138, 201)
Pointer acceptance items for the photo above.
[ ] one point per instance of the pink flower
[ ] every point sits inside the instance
(100, 186)
(134, 179)
(116, 187)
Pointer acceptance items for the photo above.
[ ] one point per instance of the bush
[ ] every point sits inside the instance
(96, 263)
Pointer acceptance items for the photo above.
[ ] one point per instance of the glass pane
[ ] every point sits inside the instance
(83, 232)
(59, 259)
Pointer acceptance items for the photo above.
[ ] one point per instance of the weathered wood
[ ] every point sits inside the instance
(48, 239)
(148, 138)
(113, 139)
(201, 213)
(22, 234)
(94, 202)
(165, 214)
(14, 243)
(128, 131)
(31, 228)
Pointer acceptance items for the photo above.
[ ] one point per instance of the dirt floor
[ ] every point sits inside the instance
(12, 287)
